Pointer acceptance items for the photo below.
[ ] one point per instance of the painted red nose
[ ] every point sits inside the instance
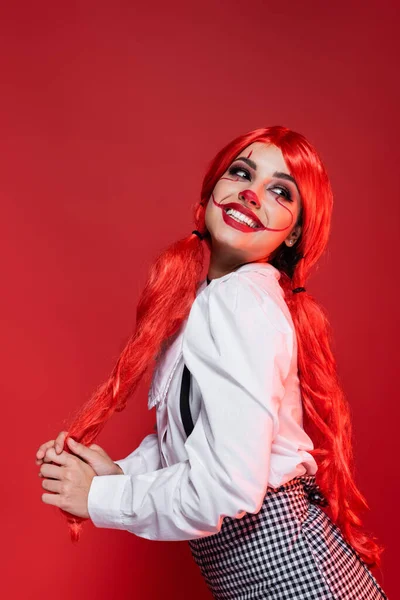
(250, 196)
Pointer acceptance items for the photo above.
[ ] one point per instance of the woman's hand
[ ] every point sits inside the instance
(58, 444)
(69, 483)
(94, 455)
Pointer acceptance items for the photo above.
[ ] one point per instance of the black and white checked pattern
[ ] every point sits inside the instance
(289, 550)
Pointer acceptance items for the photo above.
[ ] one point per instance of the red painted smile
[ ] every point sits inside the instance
(242, 226)
(233, 222)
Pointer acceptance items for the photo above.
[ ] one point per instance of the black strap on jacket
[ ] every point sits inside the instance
(186, 415)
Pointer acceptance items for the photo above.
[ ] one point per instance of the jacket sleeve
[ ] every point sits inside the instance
(145, 458)
(237, 344)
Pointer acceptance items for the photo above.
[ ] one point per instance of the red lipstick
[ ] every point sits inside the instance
(242, 209)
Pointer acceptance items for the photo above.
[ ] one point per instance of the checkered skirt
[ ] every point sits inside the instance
(289, 550)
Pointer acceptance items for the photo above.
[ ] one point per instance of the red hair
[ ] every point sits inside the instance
(169, 294)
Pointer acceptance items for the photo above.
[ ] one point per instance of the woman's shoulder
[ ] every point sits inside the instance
(252, 289)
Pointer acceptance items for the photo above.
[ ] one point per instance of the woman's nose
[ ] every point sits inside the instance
(249, 196)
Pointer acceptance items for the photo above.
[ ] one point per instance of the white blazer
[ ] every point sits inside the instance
(240, 346)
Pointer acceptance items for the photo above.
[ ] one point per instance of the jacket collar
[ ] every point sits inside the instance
(261, 267)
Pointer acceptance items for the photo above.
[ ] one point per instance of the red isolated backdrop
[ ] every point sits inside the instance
(109, 115)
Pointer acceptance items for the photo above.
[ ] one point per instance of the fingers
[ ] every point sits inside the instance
(59, 459)
(53, 499)
(42, 451)
(48, 457)
(58, 444)
(51, 471)
(80, 449)
(96, 447)
(52, 485)
(60, 439)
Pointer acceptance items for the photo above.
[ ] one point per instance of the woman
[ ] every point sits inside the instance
(249, 408)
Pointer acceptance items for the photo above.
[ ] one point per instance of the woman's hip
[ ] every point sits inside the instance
(289, 549)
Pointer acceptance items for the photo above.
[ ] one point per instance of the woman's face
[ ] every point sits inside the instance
(258, 185)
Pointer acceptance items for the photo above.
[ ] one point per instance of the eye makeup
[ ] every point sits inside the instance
(278, 174)
(235, 169)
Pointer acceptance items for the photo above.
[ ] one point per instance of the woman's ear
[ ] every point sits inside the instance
(293, 236)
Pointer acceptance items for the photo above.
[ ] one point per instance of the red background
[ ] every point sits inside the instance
(110, 112)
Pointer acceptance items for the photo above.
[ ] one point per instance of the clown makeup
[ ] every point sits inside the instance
(263, 204)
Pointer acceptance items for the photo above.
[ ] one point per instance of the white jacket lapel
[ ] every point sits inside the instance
(167, 362)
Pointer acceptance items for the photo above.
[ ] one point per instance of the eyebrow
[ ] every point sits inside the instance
(279, 174)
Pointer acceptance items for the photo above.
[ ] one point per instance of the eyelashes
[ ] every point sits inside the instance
(286, 192)
(236, 170)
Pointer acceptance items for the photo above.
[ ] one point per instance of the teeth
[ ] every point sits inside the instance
(240, 217)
